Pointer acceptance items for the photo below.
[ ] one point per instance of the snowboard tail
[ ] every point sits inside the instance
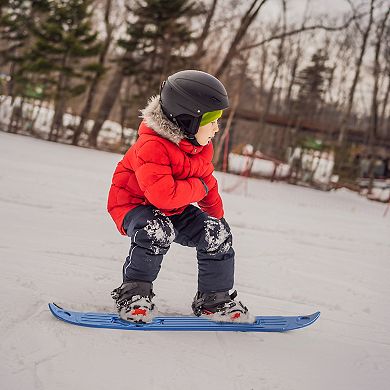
(184, 323)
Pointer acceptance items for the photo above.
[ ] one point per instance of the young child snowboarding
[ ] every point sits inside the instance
(152, 194)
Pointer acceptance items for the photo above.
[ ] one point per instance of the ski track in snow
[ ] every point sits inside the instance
(297, 251)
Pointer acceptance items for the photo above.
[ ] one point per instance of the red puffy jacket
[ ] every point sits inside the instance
(156, 171)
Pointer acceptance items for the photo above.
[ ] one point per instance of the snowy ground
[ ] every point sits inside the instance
(298, 251)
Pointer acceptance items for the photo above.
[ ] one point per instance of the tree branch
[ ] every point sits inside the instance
(246, 21)
(303, 29)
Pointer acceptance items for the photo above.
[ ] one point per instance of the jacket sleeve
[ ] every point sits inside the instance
(161, 189)
(212, 203)
(201, 163)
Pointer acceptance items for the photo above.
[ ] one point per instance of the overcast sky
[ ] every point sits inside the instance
(296, 8)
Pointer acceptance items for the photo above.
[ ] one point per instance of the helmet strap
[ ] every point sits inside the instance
(191, 138)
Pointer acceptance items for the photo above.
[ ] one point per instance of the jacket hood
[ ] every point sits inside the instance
(157, 121)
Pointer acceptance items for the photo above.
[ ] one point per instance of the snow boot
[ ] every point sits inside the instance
(221, 307)
(134, 301)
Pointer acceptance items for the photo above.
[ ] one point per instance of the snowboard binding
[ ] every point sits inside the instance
(221, 307)
(134, 301)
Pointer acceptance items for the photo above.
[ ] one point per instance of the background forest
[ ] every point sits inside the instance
(298, 73)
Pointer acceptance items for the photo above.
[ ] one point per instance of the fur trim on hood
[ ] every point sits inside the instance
(156, 120)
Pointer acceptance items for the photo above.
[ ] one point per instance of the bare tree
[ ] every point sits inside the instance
(245, 22)
(263, 65)
(382, 118)
(91, 95)
(385, 131)
(376, 73)
(304, 28)
(293, 71)
(205, 32)
(278, 65)
(107, 103)
(358, 65)
(235, 101)
(373, 131)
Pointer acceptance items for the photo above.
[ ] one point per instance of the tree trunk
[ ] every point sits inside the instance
(284, 138)
(205, 32)
(56, 124)
(359, 61)
(373, 132)
(106, 104)
(34, 119)
(264, 62)
(85, 113)
(60, 100)
(382, 120)
(11, 82)
(376, 74)
(236, 100)
(17, 112)
(280, 55)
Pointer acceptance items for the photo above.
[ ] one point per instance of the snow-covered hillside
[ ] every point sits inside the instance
(298, 251)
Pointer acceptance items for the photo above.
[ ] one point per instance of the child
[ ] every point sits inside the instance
(151, 196)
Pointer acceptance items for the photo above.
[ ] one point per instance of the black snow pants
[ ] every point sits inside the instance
(151, 233)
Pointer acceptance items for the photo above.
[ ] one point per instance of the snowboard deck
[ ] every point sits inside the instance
(184, 323)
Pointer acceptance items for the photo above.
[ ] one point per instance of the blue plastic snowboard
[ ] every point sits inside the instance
(185, 323)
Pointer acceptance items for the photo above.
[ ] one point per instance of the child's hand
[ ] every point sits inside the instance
(212, 202)
(210, 181)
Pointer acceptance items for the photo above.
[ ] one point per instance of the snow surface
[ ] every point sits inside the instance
(298, 251)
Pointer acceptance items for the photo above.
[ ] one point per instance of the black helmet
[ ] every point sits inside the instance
(185, 96)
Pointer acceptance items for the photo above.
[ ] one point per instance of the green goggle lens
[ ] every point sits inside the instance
(209, 117)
